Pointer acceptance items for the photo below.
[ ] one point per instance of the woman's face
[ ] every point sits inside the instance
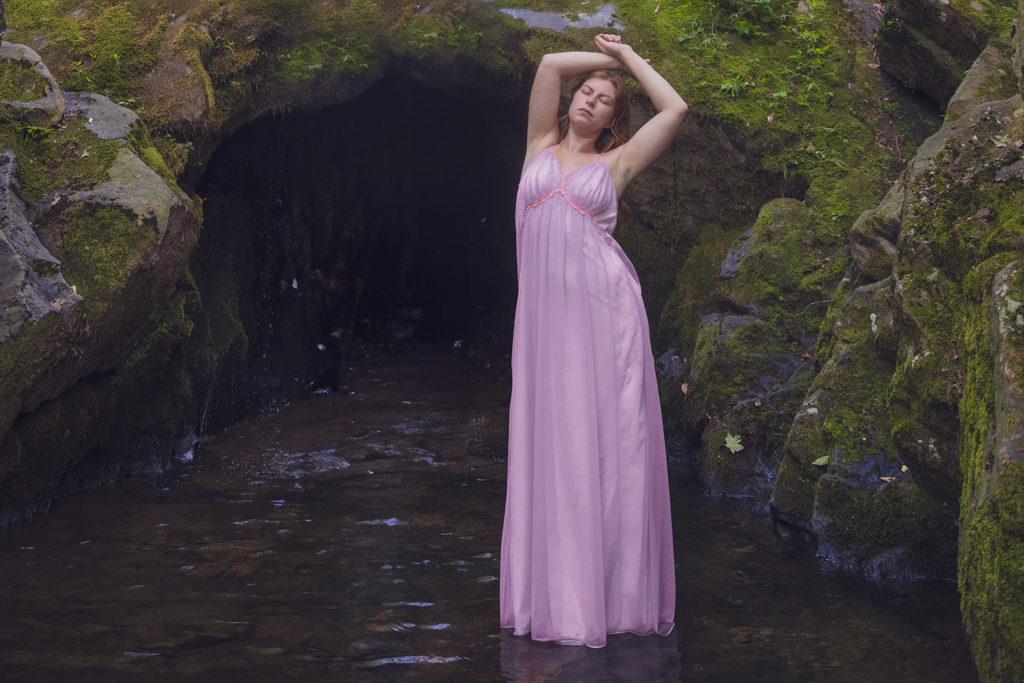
(593, 106)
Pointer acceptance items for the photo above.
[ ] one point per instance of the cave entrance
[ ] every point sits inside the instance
(364, 225)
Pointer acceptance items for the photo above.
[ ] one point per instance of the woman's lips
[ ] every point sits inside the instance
(586, 111)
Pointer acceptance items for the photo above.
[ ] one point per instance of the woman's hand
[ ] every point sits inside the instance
(613, 46)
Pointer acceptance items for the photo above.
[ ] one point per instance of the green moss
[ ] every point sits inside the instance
(28, 18)
(19, 82)
(69, 157)
(867, 523)
(172, 325)
(141, 144)
(695, 282)
(99, 249)
(992, 538)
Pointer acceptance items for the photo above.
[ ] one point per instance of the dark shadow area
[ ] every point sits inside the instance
(353, 231)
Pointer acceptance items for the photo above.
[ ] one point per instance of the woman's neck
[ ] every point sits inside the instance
(578, 144)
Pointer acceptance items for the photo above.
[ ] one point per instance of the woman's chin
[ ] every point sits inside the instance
(585, 126)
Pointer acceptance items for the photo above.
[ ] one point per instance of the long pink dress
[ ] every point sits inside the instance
(587, 544)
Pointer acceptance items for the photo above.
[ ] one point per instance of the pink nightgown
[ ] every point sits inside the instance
(586, 549)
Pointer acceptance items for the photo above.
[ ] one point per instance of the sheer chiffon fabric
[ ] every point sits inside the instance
(587, 543)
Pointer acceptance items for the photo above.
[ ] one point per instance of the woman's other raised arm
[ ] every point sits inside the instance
(542, 128)
(651, 141)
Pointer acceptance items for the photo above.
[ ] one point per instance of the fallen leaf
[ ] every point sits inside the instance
(887, 478)
(904, 468)
(771, 117)
(686, 388)
(874, 66)
(821, 462)
(732, 442)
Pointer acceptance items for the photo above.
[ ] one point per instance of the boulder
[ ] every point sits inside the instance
(873, 236)
(930, 44)
(989, 79)
(842, 479)
(28, 92)
(89, 274)
(31, 286)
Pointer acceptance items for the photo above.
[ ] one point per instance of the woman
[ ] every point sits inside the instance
(587, 543)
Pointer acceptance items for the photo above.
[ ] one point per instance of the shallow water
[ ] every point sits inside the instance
(354, 537)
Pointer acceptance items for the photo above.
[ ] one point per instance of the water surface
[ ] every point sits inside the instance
(355, 537)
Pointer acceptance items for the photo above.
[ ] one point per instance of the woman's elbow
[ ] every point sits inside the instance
(677, 110)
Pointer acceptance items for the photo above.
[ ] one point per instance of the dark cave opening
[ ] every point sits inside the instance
(355, 229)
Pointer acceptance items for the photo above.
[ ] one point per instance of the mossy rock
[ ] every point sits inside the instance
(114, 227)
(842, 479)
(873, 237)
(752, 358)
(1017, 47)
(992, 540)
(28, 92)
(990, 78)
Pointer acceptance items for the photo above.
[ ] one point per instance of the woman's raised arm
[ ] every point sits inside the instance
(542, 128)
(651, 141)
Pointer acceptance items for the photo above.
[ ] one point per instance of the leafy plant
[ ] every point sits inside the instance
(703, 39)
(734, 85)
(35, 132)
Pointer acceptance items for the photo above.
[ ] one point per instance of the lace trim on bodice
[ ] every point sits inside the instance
(572, 202)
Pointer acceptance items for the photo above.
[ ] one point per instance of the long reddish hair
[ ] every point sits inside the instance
(618, 132)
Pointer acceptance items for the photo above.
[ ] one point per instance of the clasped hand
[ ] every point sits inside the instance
(612, 45)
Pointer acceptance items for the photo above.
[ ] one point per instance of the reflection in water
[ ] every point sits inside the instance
(604, 17)
(627, 658)
(355, 537)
